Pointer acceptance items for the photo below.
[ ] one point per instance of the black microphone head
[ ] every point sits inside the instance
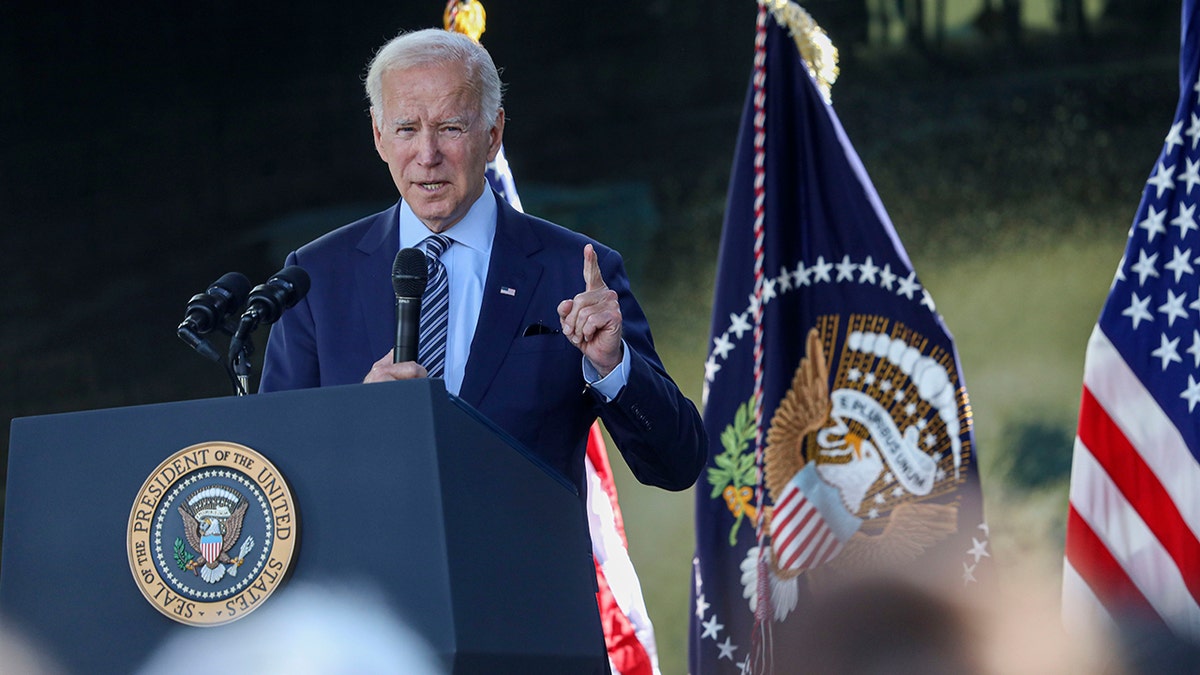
(297, 278)
(206, 311)
(283, 290)
(409, 273)
(233, 288)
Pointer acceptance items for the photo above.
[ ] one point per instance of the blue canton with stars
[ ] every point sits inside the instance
(1151, 312)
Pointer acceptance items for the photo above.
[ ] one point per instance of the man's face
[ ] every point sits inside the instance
(434, 141)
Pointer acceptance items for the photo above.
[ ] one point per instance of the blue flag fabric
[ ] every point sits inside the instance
(853, 452)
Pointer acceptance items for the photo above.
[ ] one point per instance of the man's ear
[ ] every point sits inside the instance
(377, 135)
(496, 136)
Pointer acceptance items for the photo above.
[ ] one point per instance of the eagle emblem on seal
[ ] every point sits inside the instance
(847, 484)
(212, 523)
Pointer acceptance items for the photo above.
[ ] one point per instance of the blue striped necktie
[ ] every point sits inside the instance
(435, 307)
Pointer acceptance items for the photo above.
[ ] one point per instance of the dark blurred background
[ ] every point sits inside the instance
(148, 150)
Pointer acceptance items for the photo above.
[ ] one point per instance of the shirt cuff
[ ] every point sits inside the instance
(610, 385)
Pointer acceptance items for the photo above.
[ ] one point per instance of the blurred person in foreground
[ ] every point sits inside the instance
(899, 625)
(308, 628)
(544, 334)
(20, 653)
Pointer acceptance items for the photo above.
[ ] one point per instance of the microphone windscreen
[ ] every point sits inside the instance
(236, 285)
(297, 277)
(409, 273)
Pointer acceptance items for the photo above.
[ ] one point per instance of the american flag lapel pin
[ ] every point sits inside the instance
(505, 290)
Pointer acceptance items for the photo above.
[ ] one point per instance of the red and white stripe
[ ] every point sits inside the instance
(1134, 514)
(210, 548)
(628, 631)
(800, 536)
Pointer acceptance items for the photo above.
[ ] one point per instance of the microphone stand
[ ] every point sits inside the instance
(241, 347)
(239, 368)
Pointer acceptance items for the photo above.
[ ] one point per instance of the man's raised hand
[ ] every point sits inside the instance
(592, 319)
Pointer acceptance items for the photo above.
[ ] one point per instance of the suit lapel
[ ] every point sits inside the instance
(513, 277)
(373, 281)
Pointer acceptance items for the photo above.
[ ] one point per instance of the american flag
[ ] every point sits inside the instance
(1134, 514)
(834, 398)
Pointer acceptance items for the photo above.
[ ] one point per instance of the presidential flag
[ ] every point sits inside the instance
(1132, 549)
(841, 434)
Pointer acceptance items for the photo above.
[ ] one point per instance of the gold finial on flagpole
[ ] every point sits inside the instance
(466, 17)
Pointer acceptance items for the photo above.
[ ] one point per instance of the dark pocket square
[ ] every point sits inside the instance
(539, 329)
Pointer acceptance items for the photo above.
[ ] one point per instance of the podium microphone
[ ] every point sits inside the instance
(409, 274)
(267, 301)
(266, 304)
(207, 311)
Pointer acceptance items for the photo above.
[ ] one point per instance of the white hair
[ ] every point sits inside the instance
(437, 46)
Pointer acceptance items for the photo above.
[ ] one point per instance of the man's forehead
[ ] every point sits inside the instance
(429, 76)
(410, 91)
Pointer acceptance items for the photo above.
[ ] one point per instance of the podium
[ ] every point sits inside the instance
(483, 550)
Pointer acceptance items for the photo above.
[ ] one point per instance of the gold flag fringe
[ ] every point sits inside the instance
(819, 54)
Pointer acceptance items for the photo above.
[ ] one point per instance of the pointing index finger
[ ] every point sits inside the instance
(591, 270)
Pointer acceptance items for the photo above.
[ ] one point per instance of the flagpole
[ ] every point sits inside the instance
(759, 660)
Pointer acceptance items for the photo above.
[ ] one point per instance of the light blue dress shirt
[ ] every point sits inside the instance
(466, 264)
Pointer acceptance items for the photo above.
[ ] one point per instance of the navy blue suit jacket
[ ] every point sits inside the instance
(532, 387)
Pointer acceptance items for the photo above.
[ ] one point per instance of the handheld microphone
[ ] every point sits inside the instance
(267, 301)
(409, 275)
(207, 311)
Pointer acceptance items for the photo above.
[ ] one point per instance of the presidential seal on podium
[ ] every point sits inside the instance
(212, 533)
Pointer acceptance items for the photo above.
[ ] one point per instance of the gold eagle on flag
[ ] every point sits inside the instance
(817, 496)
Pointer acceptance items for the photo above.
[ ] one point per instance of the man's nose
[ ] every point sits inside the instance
(428, 152)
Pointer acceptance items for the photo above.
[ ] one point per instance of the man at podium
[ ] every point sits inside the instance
(540, 331)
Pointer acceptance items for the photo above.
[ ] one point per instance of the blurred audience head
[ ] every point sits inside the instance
(897, 626)
(20, 654)
(884, 626)
(306, 629)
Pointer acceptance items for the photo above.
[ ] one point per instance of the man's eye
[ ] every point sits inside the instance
(453, 132)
